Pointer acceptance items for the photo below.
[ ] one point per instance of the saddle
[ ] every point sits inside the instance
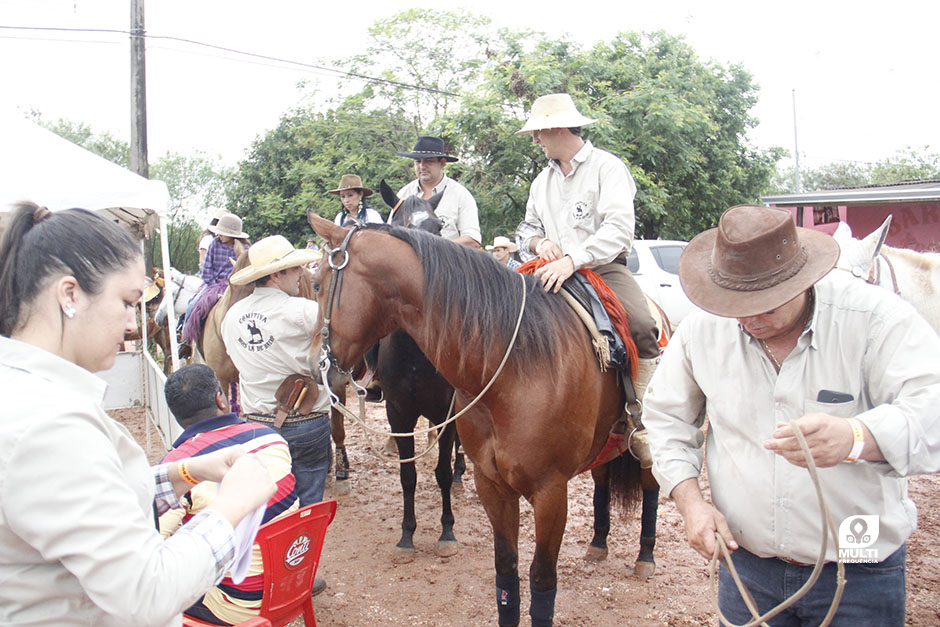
(295, 397)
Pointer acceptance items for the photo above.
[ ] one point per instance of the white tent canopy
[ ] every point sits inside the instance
(38, 165)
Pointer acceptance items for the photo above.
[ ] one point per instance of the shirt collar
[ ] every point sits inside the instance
(579, 157)
(70, 377)
(209, 424)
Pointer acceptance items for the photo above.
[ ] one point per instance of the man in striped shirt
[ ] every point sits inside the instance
(196, 400)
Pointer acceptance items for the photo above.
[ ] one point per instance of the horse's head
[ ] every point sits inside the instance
(357, 312)
(414, 211)
(858, 255)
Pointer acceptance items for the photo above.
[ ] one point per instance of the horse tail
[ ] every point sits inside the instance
(623, 479)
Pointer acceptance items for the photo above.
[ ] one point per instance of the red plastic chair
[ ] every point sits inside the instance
(290, 552)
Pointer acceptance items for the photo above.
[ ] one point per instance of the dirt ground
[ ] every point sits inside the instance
(367, 588)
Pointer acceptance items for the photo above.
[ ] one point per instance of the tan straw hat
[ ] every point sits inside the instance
(270, 255)
(151, 291)
(554, 111)
(754, 261)
(351, 181)
(230, 225)
(505, 242)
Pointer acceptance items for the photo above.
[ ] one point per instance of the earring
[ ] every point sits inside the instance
(360, 204)
(69, 310)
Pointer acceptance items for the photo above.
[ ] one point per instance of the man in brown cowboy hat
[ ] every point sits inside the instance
(580, 215)
(779, 341)
(457, 209)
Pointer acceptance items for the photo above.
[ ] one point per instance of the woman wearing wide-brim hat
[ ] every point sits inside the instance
(352, 194)
(229, 243)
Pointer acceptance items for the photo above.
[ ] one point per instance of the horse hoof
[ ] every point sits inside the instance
(644, 570)
(595, 554)
(341, 488)
(456, 486)
(390, 447)
(403, 556)
(447, 548)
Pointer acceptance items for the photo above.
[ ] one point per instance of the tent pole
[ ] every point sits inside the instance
(170, 311)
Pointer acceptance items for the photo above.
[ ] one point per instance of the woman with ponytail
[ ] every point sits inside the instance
(78, 545)
(352, 194)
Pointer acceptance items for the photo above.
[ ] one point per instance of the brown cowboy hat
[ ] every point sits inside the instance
(351, 181)
(754, 261)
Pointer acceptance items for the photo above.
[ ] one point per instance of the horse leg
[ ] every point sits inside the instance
(550, 505)
(597, 550)
(405, 549)
(502, 508)
(645, 564)
(460, 465)
(341, 483)
(447, 543)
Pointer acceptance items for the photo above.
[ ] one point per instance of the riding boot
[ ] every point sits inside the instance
(639, 442)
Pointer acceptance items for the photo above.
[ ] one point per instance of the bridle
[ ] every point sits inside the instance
(327, 358)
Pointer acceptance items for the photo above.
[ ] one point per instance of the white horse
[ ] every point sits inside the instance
(179, 290)
(912, 275)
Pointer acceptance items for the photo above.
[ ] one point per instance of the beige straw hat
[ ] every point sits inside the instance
(554, 111)
(230, 225)
(270, 255)
(505, 242)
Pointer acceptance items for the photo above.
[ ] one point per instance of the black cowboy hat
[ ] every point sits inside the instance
(427, 148)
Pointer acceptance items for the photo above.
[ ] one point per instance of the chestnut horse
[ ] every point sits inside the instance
(544, 418)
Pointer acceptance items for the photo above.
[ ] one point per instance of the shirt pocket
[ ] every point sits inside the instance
(847, 409)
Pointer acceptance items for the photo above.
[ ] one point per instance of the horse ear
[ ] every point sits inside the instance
(436, 199)
(391, 198)
(326, 229)
(883, 234)
(876, 239)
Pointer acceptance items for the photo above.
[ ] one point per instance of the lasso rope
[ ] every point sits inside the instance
(360, 392)
(721, 551)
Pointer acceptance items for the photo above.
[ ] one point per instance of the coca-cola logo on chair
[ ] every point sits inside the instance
(297, 551)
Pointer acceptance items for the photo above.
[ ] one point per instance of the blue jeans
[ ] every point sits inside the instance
(311, 454)
(874, 594)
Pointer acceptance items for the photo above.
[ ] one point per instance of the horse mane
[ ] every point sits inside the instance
(485, 297)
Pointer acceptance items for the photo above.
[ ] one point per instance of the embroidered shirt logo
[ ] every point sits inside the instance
(580, 211)
(256, 341)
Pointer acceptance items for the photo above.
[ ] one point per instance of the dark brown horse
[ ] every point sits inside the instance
(547, 414)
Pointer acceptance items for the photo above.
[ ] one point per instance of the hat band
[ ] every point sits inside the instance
(754, 283)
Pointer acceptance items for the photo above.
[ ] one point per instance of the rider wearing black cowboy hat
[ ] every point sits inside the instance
(457, 208)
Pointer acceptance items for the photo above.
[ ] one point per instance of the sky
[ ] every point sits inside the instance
(863, 73)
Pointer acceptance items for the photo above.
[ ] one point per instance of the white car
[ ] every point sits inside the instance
(655, 265)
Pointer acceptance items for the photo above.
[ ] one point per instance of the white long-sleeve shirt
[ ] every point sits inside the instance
(78, 544)
(457, 209)
(588, 213)
(862, 341)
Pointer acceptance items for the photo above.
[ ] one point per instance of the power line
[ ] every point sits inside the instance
(309, 66)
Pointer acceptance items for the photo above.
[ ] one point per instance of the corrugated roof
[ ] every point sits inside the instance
(902, 191)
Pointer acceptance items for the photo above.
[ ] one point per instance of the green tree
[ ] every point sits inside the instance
(289, 170)
(905, 165)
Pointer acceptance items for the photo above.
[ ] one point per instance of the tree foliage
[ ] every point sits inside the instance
(904, 165)
(679, 122)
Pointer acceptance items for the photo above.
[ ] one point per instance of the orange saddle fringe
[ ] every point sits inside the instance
(618, 315)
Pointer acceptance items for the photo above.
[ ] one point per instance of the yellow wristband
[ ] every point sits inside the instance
(858, 436)
(185, 474)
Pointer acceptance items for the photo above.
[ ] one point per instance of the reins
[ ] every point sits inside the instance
(327, 359)
(721, 552)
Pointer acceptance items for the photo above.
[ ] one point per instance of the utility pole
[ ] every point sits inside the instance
(139, 108)
(796, 146)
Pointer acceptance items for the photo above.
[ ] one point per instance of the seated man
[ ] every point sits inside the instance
(196, 400)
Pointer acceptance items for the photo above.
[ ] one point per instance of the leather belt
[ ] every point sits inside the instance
(292, 420)
(794, 562)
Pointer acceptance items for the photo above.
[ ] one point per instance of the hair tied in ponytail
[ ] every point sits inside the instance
(40, 214)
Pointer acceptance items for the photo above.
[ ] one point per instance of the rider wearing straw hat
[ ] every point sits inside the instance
(580, 215)
(457, 209)
(779, 341)
(352, 194)
(502, 248)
